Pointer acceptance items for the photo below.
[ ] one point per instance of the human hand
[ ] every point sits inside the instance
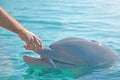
(32, 41)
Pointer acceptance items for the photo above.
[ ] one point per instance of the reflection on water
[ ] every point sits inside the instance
(6, 67)
(46, 73)
(35, 72)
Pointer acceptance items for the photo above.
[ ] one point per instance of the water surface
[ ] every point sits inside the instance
(52, 20)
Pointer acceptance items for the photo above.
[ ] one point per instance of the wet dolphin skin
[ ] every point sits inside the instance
(73, 52)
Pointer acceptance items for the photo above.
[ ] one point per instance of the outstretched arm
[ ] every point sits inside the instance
(32, 41)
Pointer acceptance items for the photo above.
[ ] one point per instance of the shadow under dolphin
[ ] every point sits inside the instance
(74, 52)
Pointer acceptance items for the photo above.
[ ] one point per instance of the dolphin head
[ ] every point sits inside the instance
(73, 52)
(48, 58)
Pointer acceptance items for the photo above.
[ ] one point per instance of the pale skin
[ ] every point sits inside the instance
(31, 40)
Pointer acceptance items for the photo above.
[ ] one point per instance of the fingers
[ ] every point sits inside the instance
(34, 44)
(32, 41)
(38, 43)
(28, 46)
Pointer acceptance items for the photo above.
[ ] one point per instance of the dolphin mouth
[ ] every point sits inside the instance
(32, 61)
(63, 64)
(38, 61)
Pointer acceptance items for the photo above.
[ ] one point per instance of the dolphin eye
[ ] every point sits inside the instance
(93, 40)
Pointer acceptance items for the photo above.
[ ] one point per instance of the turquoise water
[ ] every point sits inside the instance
(52, 20)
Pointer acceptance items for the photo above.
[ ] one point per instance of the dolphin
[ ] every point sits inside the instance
(73, 52)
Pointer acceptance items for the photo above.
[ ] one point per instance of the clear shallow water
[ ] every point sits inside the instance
(52, 20)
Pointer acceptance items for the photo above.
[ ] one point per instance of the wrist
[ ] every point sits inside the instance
(22, 31)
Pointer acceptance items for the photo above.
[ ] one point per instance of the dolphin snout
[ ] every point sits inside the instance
(36, 61)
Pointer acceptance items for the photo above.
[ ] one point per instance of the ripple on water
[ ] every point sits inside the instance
(53, 20)
(6, 67)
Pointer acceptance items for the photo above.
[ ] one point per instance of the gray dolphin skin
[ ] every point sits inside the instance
(73, 52)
